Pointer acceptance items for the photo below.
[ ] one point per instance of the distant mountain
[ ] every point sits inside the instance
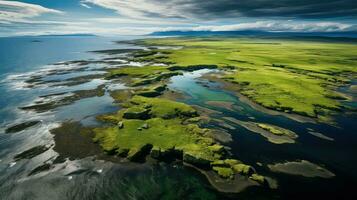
(255, 33)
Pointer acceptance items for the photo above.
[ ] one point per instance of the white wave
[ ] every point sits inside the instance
(136, 64)
(18, 81)
(116, 86)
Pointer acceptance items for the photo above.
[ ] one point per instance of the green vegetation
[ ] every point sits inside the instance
(292, 76)
(142, 72)
(228, 167)
(260, 179)
(274, 134)
(140, 76)
(165, 130)
(276, 130)
(158, 124)
(224, 172)
(302, 168)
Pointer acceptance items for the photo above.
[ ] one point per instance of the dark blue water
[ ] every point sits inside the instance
(339, 155)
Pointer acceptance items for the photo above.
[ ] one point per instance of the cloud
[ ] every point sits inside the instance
(138, 17)
(84, 5)
(15, 11)
(281, 26)
(109, 30)
(138, 8)
(204, 9)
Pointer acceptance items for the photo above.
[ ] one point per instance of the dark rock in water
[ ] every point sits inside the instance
(44, 167)
(79, 94)
(20, 127)
(28, 154)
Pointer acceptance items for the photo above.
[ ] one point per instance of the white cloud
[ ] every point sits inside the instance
(110, 30)
(276, 26)
(15, 11)
(139, 22)
(84, 5)
(139, 9)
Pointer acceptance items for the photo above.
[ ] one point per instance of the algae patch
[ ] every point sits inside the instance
(320, 135)
(302, 168)
(272, 133)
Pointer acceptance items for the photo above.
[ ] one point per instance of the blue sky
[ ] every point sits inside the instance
(136, 17)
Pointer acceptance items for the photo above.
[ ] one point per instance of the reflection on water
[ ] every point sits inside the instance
(87, 179)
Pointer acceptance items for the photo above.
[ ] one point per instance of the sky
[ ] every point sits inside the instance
(138, 17)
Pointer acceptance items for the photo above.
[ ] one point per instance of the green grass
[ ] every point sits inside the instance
(142, 72)
(162, 134)
(276, 130)
(166, 130)
(224, 172)
(164, 108)
(169, 130)
(287, 75)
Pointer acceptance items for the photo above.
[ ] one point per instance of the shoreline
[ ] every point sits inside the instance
(231, 87)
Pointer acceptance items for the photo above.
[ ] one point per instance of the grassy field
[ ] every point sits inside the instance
(293, 76)
(300, 77)
(165, 129)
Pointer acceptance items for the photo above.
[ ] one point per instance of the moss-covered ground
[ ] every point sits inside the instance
(165, 130)
(293, 76)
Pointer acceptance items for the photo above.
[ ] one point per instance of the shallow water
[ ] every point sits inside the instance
(85, 178)
(95, 179)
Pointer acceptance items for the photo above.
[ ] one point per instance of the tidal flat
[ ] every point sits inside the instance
(155, 108)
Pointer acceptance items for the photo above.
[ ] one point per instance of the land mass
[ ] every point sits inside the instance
(285, 75)
(292, 77)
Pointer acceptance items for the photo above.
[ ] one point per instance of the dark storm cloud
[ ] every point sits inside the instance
(216, 9)
(270, 8)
